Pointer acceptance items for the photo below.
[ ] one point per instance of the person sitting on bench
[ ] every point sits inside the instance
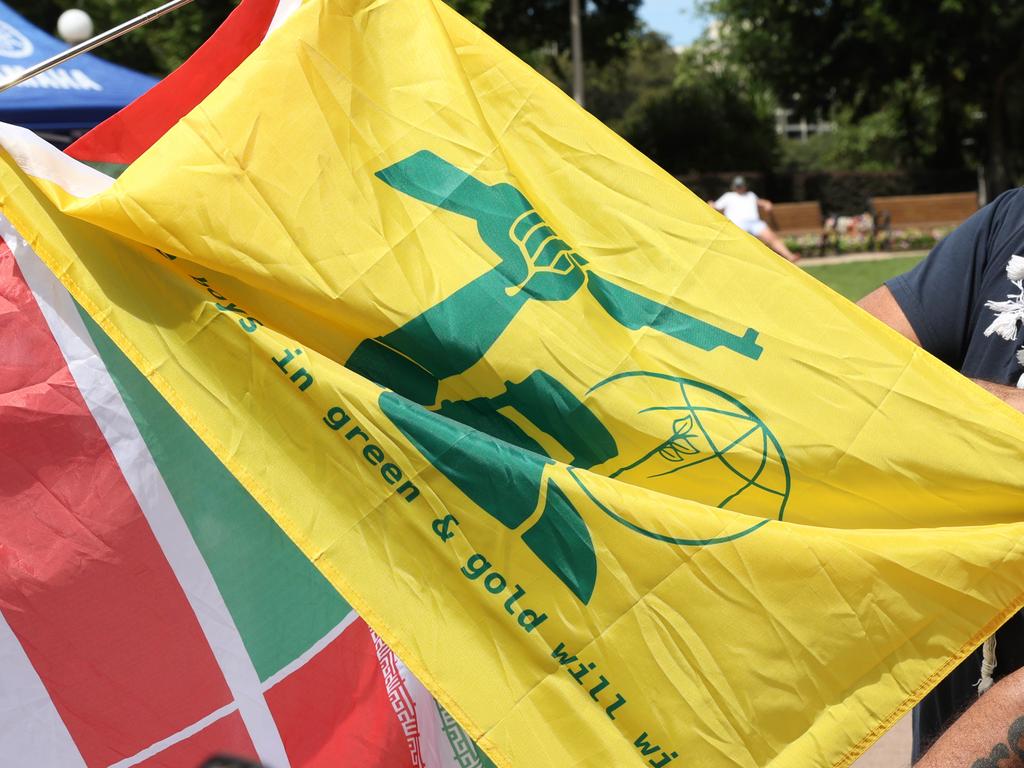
(743, 208)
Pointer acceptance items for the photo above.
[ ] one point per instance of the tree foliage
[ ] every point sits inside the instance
(965, 55)
(686, 111)
(648, 64)
(534, 27)
(709, 119)
(901, 135)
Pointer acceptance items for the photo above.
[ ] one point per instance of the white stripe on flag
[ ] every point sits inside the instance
(285, 8)
(32, 732)
(170, 741)
(144, 479)
(310, 652)
(40, 159)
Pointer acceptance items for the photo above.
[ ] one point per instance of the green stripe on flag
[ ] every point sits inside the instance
(111, 169)
(280, 603)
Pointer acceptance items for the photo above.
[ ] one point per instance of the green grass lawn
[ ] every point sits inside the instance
(857, 279)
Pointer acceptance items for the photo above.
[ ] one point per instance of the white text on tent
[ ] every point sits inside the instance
(59, 78)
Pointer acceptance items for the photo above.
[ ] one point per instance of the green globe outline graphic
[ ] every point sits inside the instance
(678, 443)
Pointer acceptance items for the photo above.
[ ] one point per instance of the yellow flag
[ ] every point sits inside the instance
(622, 487)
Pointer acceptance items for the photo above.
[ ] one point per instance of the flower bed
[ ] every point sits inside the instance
(853, 235)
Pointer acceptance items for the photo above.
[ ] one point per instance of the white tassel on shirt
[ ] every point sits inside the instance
(1015, 268)
(1009, 313)
(988, 665)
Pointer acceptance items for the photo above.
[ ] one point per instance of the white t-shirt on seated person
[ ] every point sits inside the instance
(739, 209)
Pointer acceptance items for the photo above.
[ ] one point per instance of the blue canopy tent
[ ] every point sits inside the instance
(68, 99)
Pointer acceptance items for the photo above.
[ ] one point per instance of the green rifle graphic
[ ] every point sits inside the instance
(509, 477)
(450, 337)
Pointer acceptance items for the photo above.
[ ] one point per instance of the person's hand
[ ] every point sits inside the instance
(1012, 396)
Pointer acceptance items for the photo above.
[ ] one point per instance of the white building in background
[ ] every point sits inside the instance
(786, 125)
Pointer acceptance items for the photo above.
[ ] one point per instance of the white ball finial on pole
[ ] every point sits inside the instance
(74, 26)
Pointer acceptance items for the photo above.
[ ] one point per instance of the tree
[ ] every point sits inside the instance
(533, 29)
(686, 111)
(705, 120)
(899, 136)
(966, 54)
(647, 64)
(709, 115)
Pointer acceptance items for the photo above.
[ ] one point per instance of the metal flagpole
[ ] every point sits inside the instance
(93, 42)
(576, 39)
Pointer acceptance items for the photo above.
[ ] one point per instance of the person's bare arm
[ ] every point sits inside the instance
(1010, 395)
(764, 205)
(988, 735)
(882, 304)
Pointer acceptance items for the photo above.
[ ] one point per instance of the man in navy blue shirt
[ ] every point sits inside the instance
(965, 304)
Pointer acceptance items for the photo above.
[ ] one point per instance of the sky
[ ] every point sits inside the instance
(678, 19)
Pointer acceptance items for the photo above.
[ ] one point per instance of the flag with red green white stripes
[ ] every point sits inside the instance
(151, 612)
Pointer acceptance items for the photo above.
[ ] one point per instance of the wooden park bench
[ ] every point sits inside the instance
(919, 212)
(796, 219)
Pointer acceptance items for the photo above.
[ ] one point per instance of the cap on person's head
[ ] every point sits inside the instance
(738, 182)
